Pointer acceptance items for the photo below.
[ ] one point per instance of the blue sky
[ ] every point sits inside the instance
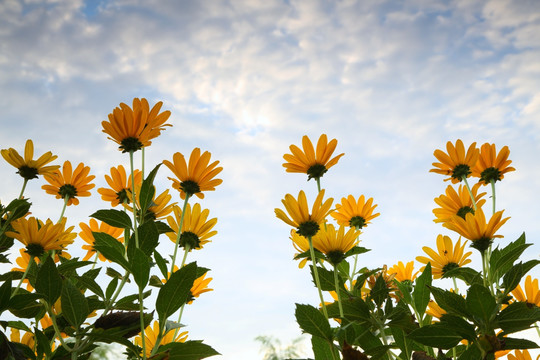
(244, 79)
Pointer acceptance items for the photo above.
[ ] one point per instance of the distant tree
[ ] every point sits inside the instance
(273, 350)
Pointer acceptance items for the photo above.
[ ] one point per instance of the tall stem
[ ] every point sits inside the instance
(23, 187)
(316, 275)
(179, 233)
(141, 319)
(134, 197)
(66, 199)
(493, 193)
(336, 284)
(464, 178)
(24, 276)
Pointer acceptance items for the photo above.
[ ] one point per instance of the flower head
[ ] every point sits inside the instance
(27, 167)
(531, 295)
(119, 185)
(306, 224)
(27, 339)
(457, 203)
(456, 163)
(475, 228)
(335, 243)
(447, 256)
(195, 177)
(133, 129)
(355, 213)
(403, 272)
(520, 355)
(492, 166)
(39, 237)
(87, 235)
(196, 228)
(69, 184)
(151, 334)
(160, 206)
(311, 162)
(434, 310)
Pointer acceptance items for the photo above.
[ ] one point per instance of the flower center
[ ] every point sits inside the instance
(460, 171)
(131, 144)
(316, 171)
(357, 222)
(35, 250)
(308, 228)
(68, 191)
(190, 239)
(449, 266)
(489, 174)
(464, 211)
(28, 172)
(482, 244)
(335, 257)
(190, 187)
(123, 197)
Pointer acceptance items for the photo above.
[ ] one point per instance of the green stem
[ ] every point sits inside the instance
(336, 284)
(316, 275)
(464, 178)
(66, 199)
(179, 233)
(179, 319)
(134, 197)
(23, 187)
(493, 193)
(455, 284)
(116, 293)
(57, 332)
(141, 318)
(23, 277)
(95, 260)
(142, 162)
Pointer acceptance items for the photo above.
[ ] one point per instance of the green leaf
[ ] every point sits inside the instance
(116, 218)
(354, 309)
(322, 349)
(48, 281)
(467, 274)
(111, 248)
(90, 284)
(518, 316)
(402, 318)
(380, 292)
(148, 190)
(357, 250)
(148, 237)
(162, 264)
(67, 267)
(501, 260)
(24, 304)
(43, 343)
(114, 274)
(459, 326)
(18, 208)
(128, 302)
(5, 295)
(111, 288)
(512, 343)
(404, 343)
(435, 336)
(472, 353)
(512, 278)
(176, 291)
(326, 278)
(405, 290)
(311, 321)
(481, 304)
(421, 291)
(162, 227)
(191, 350)
(451, 302)
(74, 304)
(140, 268)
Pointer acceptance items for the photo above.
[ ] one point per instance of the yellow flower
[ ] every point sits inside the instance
(27, 339)
(160, 205)
(334, 244)
(27, 166)
(120, 185)
(521, 355)
(133, 129)
(87, 235)
(305, 223)
(151, 334)
(531, 295)
(475, 227)
(456, 163)
(355, 213)
(434, 310)
(492, 166)
(69, 183)
(388, 279)
(457, 203)
(200, 285)
(23, 261)
(403, 272)
(41, 237)
(311, 162)
(195, 177)
(447, 256)
(301, 244)
(196, 228)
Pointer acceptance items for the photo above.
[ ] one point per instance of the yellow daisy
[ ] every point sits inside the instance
(531, 295)
(87, 235)
(447, 256)
(335, 243)
(69, 183)
(311, 162)
(151, 334)
(355, 213)
(39, 237)
(305, 223)
(475, 228)
(403, 272)
(196, 228)
(196, 176)
(27, 339)
(160, 205)
(457, 203)
(456, 163)
(521, 355)
(119, 185)
(492, 166)
(27, 167)
(434, 310)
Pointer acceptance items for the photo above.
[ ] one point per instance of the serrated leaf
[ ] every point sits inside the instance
(354, 309)
(481, 304)
(191, 350)
(501, 260)
(467, 274)
(311, 321)
(513, 343)
(147, 191)
(435, 336)
(322, 349)
(162, 264)
(48, 281)
(140, 268)
(380, 291)
(518, 316)
(111, 288)
(326, 278)
(24, 304)
(74, 304)
(176, 291)
(90, 284)
(459, 326)
(5, 295)
(148, 237)
(72, 264)
(111, 248)
(421, 293)
(116, 218)
(451, 302)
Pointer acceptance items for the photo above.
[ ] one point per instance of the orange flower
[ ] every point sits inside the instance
(456, 163)
(457, 203)
(27, 166)
(447, 256)
(492, 166)
(120, 185)
(531, 295)
(403, 272)
(87, 235)
(355, 213)
(69, 184)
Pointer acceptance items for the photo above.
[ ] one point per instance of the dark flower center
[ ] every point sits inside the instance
(190, 239)
(68, 191)
(190, 187)
(35, 250)
(316, 171)
(482, 244)
(130, 144)
(308, 228)
(460, 171)
(357, 222)
(28, 172)
(489, 174)
(464, 211)
(449, 266)
(335, 257)
(123, 197)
